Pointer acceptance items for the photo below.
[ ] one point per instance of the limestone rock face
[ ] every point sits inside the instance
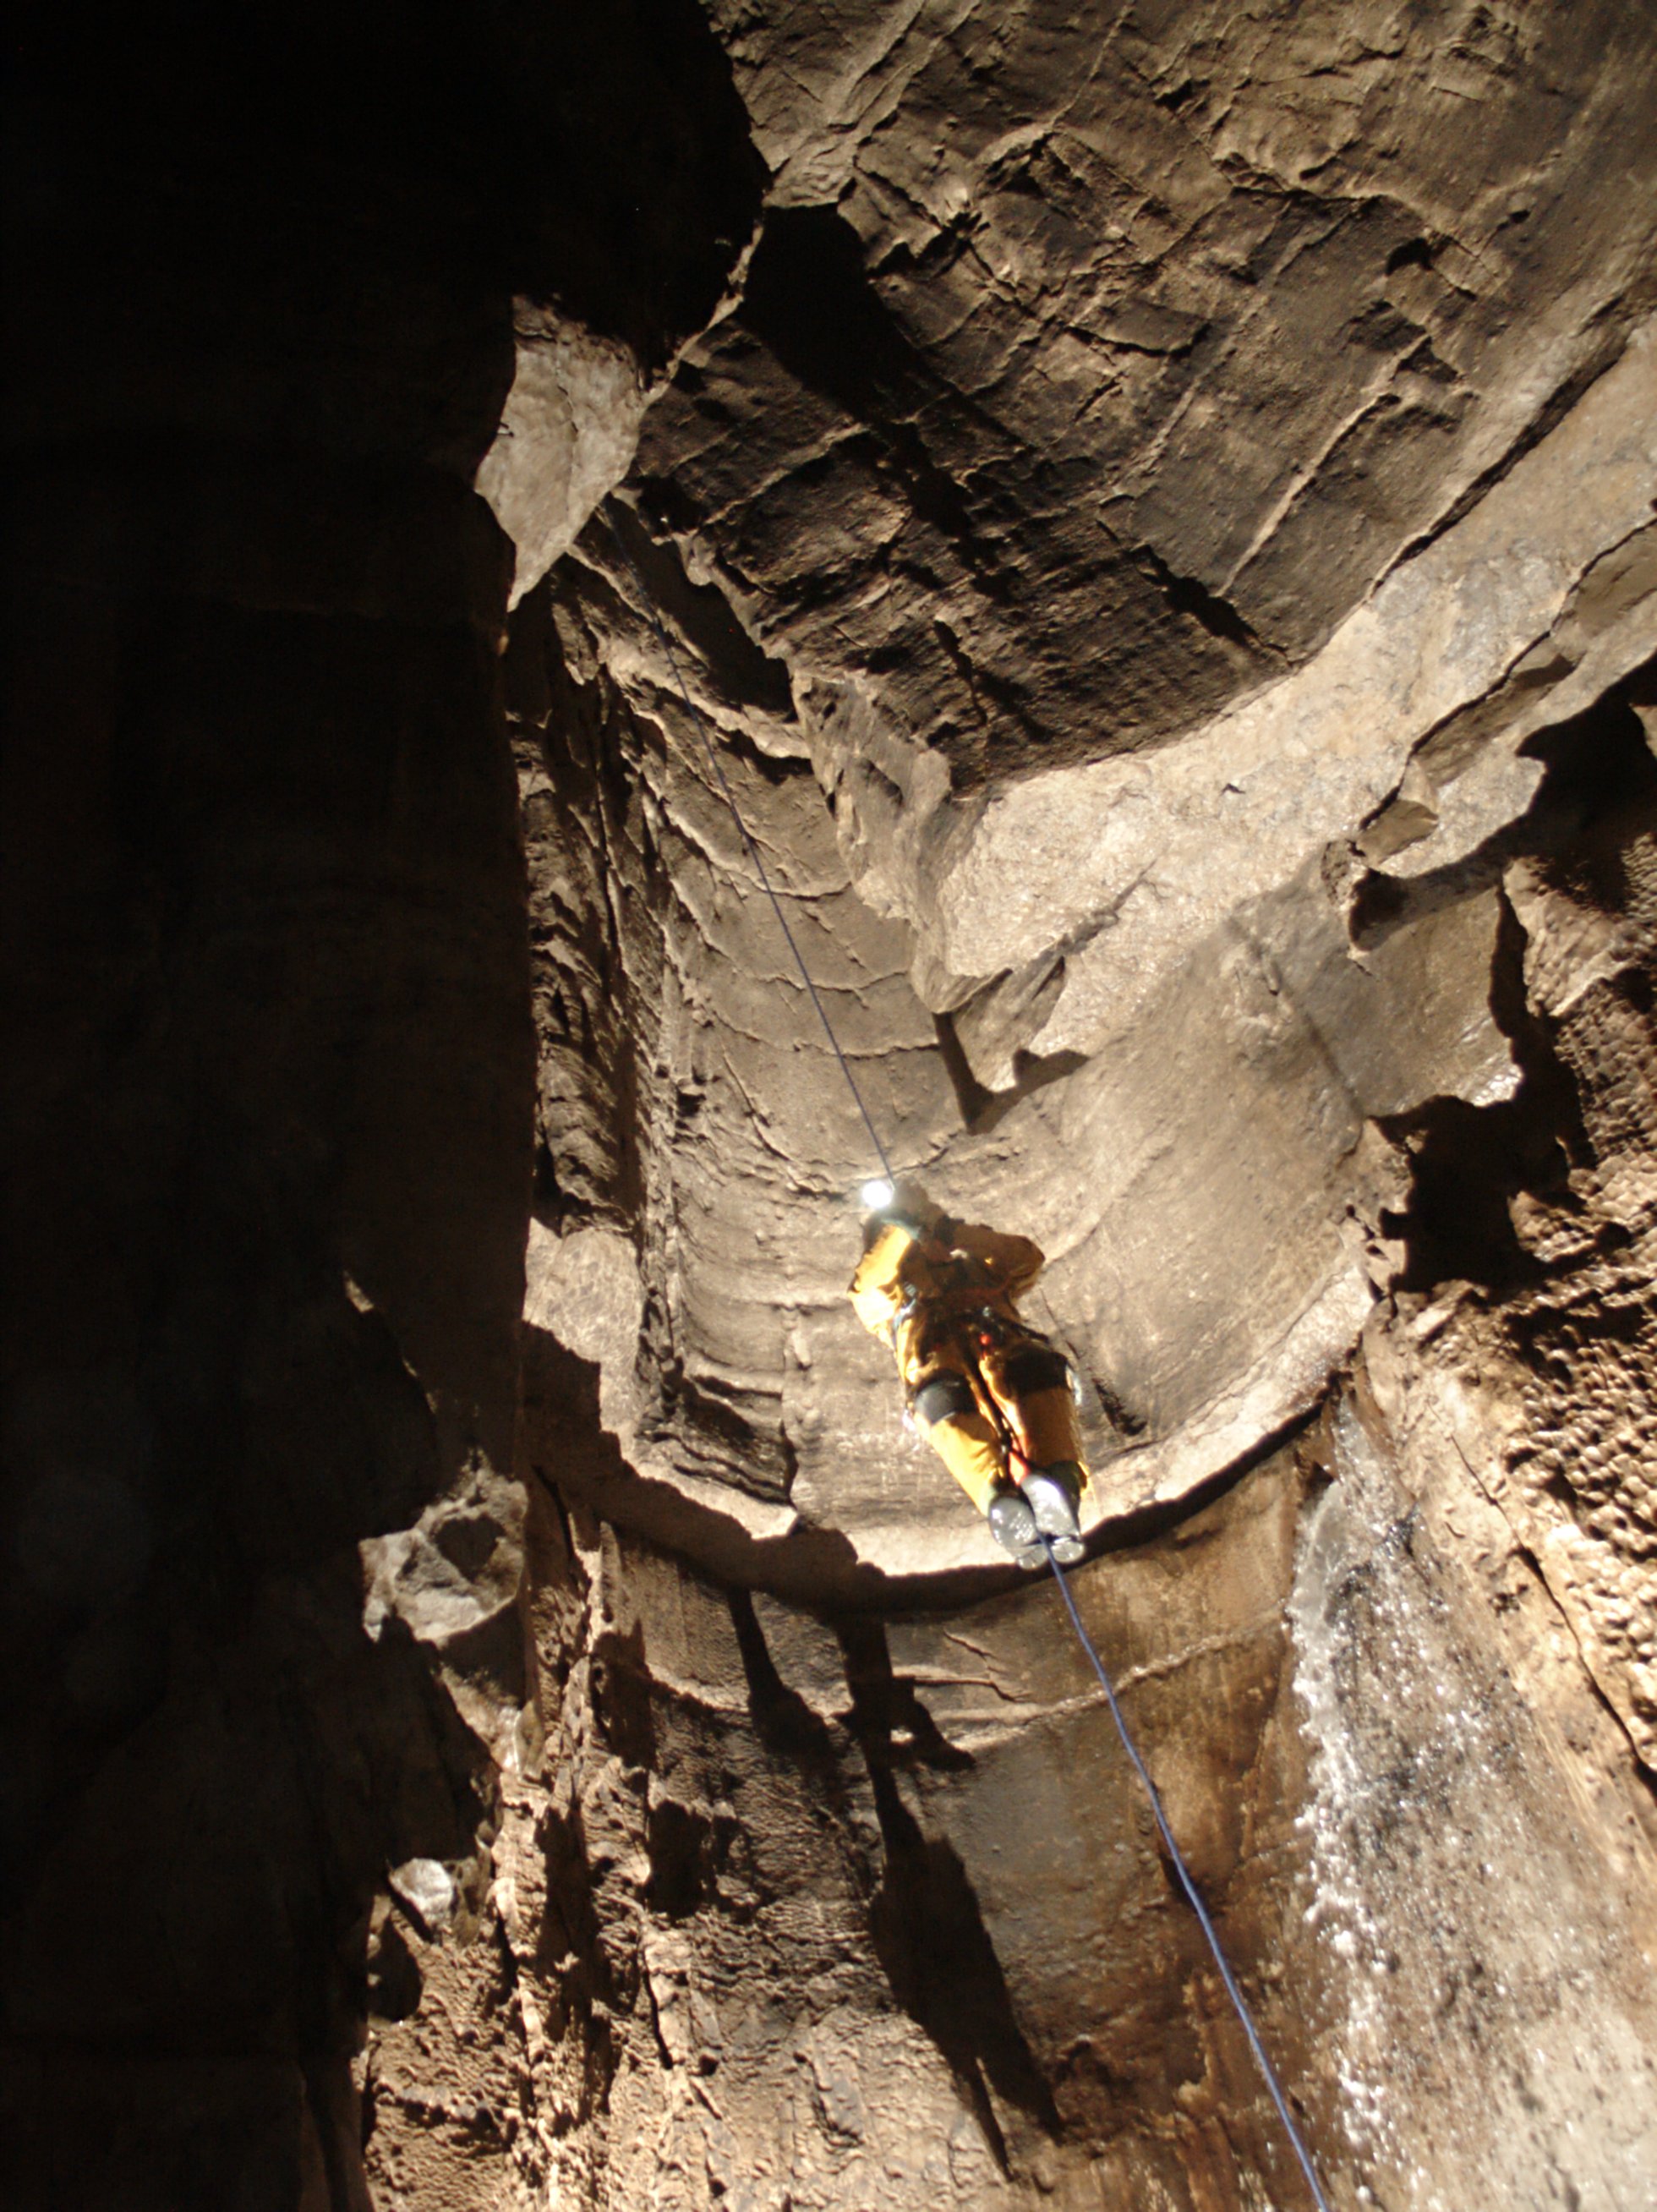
(1214, 930)
(1149, 516)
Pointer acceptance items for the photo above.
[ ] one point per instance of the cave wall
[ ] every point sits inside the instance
(821, 1906)
(1221, 949)
(1155, 517)
(1394, 1678)
(1196, 825)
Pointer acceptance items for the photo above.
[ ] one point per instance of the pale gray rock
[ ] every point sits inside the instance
(566, 438)
(427, 1887)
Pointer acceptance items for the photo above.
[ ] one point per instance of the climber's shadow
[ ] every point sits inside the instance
(924, 1918)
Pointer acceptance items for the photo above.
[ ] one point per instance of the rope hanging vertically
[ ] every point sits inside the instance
(1175, 1853)
(752, 849)
(1192, 1894)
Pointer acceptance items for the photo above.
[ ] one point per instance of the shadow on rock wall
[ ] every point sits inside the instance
(269, 1090)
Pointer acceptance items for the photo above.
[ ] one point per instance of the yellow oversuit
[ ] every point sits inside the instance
(942, 1294)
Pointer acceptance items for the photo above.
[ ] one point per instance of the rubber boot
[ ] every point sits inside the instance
(1053, 1494)
(1013, 1524)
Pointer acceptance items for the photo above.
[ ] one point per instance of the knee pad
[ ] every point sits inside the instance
(943, 1397)
(1035, 1367)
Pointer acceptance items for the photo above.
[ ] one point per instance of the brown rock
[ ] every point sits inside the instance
(1151, 520)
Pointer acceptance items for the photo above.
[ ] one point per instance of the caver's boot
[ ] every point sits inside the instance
(1013, 1524)
(1053, 1494)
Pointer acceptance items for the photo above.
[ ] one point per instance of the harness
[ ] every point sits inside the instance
(972, 1328)
(960, 1301)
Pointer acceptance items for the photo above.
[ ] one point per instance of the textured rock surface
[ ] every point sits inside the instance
(1155, 512)
(835, 1907)
(1164, 963)
(1214, 746)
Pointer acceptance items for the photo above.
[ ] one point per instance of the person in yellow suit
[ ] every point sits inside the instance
(991, 1394)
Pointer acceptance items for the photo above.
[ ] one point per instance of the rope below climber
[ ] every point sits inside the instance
(994, 1400)
(1193, 1895)
(992, 1393)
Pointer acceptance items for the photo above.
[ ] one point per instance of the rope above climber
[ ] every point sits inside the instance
(991, 1393)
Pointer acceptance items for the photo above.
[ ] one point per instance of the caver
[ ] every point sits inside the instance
(992, 1395)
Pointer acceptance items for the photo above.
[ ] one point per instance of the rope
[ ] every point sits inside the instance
(1190, 1889)
(753, 850)
(1128, 1745)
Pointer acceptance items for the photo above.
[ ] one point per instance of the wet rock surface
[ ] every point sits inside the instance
(1151, 520)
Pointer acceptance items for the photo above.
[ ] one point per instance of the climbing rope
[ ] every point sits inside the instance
(1193, 1893)
(753, 850)
(1128, 1745)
